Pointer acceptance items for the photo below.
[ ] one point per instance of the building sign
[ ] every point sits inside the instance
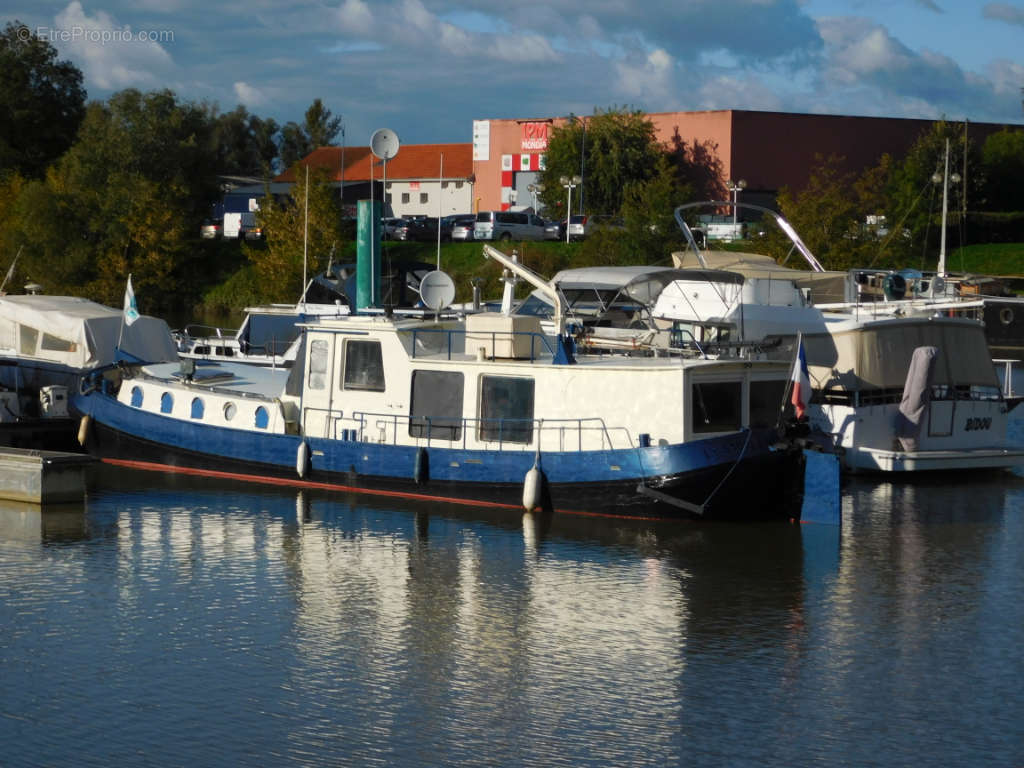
(414, 186)
(535, 137)
(481, 140)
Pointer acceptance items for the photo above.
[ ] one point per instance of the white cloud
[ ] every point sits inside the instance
(112, 55)
(1004, 12)
(249, 95)
(355, 16)
(651, 81)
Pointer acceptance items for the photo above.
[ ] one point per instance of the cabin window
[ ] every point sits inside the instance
(318, 355)
(197, 408)
(716, 406)
(166, 402)
(506, 409)
(27, 339)
(766, 402)
(364, 366)
(229, 411)
(136, 397)
(262, 419)
(57, 344)
(436, 407)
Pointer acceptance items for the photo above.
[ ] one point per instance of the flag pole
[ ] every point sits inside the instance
(792, 368)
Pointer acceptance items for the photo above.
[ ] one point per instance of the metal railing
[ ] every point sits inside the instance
(505, 433)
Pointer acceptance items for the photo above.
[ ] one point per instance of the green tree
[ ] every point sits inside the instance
(42, 102)
(828, 218)
(319, 129)
(1002, 160)
(648, 211)
(289, 238)
(617, 147)
(128, 196)
(245, 143)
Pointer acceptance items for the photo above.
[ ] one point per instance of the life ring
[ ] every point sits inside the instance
(1005, 315)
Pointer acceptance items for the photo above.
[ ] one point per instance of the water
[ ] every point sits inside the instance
(172, 622)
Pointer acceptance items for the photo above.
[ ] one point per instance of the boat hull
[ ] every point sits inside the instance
(739, 476)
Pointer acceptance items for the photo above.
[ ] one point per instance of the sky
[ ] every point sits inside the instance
(427, 68)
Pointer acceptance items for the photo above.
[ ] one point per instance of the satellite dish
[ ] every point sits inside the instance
(384, 143)
(437, 290)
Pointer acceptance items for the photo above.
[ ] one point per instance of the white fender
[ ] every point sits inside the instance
(83, 429)
(302, 459)
(532, 488)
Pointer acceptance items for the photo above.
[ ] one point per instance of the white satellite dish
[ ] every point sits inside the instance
(437, 290)
(384, 143)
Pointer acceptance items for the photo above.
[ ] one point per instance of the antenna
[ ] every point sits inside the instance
(437, 290)
(383, 144)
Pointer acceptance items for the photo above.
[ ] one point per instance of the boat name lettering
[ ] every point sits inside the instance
(978, 423)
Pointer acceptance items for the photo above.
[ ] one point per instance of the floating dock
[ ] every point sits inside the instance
(43, 477)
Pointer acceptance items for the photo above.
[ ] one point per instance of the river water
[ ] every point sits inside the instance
(185, 622)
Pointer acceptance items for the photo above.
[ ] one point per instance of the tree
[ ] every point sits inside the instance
(279, 266)
(318, 129)
(128, 196)
(245, 143)
(42, 102)
(649, 214)
(829, 219)
(618, 147)
(321, 126)
(1002, 160)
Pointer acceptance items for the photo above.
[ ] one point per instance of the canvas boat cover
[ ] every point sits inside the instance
(825, 287)
(78, 333)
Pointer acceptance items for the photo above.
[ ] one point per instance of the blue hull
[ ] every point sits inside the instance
(736, 476)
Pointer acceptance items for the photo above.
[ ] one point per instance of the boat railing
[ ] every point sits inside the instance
(433, 341)
(503, 434)
(1007, 365)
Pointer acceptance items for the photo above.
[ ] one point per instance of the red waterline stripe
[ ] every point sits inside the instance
(152, 467)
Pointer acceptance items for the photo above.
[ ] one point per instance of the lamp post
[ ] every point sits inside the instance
(569, 184)
(735, 187)
(535, 189)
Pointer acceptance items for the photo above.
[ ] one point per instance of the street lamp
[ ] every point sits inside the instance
(735, 187)
(569, 184)
(535, 189)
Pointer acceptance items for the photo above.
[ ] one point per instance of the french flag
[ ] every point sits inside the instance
(801, 379)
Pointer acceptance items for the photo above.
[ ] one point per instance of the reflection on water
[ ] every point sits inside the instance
(171, 621)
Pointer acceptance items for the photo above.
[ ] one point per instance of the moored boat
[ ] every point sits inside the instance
(482, 408)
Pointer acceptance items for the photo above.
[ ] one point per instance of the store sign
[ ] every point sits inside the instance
(535, 137)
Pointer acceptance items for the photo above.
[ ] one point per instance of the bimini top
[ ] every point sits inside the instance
(77, 332)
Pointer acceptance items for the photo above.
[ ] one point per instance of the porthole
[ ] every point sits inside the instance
(136, 397)
(1006, 315)
(166, 402)
(229, 411)
(262, 419)
(197, 408)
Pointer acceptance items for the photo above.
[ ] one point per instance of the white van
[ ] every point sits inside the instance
(508, 225)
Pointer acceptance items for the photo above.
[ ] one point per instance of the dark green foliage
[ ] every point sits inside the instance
(41, 102)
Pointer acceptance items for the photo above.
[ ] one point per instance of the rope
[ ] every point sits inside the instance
(731, 469)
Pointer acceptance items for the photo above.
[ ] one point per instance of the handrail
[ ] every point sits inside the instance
(784, 225)
(464, 425)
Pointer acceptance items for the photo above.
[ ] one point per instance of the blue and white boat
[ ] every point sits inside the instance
(482, 408)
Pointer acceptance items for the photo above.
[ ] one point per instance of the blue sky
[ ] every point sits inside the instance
(428, 68)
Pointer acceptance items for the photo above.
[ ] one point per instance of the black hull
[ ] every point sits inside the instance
(768, 488)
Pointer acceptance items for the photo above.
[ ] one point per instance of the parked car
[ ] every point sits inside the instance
(554, 230)
(462, 227)
(508, 225)
(580, 226)
(400, 229)
(390, 226)
(251, 232)
(211, 229)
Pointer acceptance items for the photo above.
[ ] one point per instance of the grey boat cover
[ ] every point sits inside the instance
(916, 397)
